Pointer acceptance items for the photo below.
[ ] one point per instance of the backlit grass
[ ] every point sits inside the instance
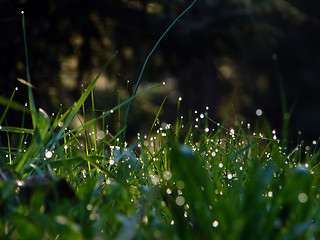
(190, 179)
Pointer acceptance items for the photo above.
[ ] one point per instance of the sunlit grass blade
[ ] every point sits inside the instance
(156, 118)
(81, 100)
(106, 113)
(101, 168)
(7, 108)
(16, 130)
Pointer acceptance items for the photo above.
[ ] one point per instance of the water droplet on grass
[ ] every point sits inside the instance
(100, 134)
(180, 185)
(232, 131)
(89, 207)
(215, 223)
(48, 154)
(303, 198)
(108, 181)
(167, 175)
(259, 112)
(180, 200)
(155, 179)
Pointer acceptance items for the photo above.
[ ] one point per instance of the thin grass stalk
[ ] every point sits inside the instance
(146, 61)
(31, 99)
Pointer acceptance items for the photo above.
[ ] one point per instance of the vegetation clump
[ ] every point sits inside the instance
(186, 180)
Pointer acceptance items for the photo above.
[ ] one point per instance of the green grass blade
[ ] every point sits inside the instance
(16, 129)
(13, 105)
(31, 99)
(82, 99)
(146, 61)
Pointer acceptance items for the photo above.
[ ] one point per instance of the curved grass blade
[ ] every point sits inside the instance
(146, 61)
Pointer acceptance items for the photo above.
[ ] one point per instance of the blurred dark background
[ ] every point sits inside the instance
(219, 53)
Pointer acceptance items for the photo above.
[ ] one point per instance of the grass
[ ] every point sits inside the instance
(182, 180)
(179, 181)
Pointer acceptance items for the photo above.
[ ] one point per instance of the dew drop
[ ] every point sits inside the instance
(303, 198)
(155, 179)
(232, 131)
(100, 134)
(259, 112)
(108, 181)
(89, 207)
(48, 154)
(180, 185)
(215, 223)
(167, 175)
(180, 200)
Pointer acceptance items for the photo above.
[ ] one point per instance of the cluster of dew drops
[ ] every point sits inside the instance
(210, 154)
